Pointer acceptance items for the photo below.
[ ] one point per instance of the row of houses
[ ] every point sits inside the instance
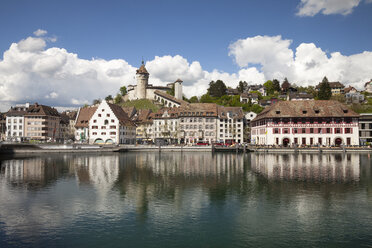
(36, 122)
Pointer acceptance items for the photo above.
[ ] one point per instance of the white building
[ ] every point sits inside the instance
(230, 124)
(311, 123)
(82, 123)
(111, 125)
(15, 122)
(368, 86)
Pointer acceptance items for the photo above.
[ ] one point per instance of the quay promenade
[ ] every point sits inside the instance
(84, 148)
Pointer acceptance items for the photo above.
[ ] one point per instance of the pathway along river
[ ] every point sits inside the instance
(186, 200)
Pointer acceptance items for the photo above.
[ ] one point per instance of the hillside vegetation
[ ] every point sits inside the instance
(141, 104)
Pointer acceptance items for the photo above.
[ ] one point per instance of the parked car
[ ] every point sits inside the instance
(202, 144)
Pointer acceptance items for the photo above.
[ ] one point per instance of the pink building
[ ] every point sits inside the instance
(322, 122)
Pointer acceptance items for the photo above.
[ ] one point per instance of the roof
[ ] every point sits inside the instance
(348, 89)
(230, 112)
(121, 115)
(249, 95)
(190, 109)
(37, 109)
(84, 116)
(169, 97)
(13, 112)
(130, 111)
(300, 95)
(286, 85)
(307, 108)
(142, 69)
(369, 82)
(178, 81)
(143, 116)
(332, 85)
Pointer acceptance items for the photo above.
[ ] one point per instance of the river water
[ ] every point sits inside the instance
(186, 200)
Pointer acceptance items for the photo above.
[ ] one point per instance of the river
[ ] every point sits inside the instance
(196, 199)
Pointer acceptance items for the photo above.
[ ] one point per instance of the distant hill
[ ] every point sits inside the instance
(141, 104)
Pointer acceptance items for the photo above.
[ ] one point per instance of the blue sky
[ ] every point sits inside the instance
(198, 31)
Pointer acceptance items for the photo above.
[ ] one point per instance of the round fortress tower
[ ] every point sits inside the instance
(142, 81)
(178, 89)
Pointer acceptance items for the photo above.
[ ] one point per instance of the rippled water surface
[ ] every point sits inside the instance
(186, 200)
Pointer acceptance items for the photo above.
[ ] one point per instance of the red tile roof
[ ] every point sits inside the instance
(84, 116)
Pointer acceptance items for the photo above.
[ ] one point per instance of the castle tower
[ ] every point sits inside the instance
(178, 89)
(142, 81)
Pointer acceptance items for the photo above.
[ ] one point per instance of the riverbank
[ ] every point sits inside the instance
(84, 148)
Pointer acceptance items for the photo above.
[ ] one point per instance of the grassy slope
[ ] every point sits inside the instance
(141, 104)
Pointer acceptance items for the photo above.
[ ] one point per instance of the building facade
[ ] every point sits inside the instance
(15, 122)
(42, 123)
(111, 125)
(306, 123)
(365, 128)
(82, 123)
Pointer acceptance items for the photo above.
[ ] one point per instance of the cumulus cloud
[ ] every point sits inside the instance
(40, 32)
(307, 66)
(31, 72)
(327, 7)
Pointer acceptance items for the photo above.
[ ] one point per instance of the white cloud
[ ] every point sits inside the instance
(30, 72)
(307, 66)
(327, 7)
(40, 32)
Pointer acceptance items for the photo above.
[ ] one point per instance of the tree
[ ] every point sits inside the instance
(118, 99)
(96, 101)
(123, 90)
(171, 91)
(242, 86)
(217, 89)
(324, 92)
(276, 85)
(206, 98)
(194, 99)
(269, 86)
(108, 98)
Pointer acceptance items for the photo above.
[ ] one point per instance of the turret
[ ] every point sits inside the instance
(178, 89)
(142, 81)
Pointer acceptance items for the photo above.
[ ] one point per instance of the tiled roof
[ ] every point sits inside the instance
(230, 112)
(37, 109)
(142, 70)
(143, 116)
(121, 115)
(348, 89)
(307, 108)
(130, 111)
(332, 85)
(169, 97)
(300, 95)
(13, 112)
(84, 116)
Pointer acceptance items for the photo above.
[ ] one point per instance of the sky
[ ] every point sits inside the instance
(67, 53)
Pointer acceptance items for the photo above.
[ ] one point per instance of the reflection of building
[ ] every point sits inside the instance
(306, 123)
(318, 167)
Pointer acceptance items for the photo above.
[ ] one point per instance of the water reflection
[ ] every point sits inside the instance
(308, 167)
(182, 195)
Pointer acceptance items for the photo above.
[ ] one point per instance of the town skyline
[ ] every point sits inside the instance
(44, 62)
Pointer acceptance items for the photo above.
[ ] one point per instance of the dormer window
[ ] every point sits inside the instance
(277, 112)
(345, 111)
(304, 111)
(316, 111)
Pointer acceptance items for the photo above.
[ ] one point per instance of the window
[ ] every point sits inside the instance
(106, 122)
(108, 115)
(311, 131)
(103, 127)
(112, 133)
(276, 130)
(347, 130)
(303, 130)
(112, 127)
(285, 130)
(103, 110)
(337, 130)
(304, 141)
(328, 130)
(295, 130)
(99, 115)
(304, 112)
(296, 140)
(103, 133)
(319, 130)
(94, 121)
(320, 141)
(94, 133)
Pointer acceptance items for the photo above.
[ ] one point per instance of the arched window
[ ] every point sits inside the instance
(106, 122)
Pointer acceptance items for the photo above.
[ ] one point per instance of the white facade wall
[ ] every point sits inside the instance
(199, 129)
(230, 129)
(178, 90)
(14, 128)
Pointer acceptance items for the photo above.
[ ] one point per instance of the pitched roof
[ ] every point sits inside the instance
(348, 89)
(307, 108)
(169, 97)
(121, 115)
(37, 109)
(143, 116)
(300, 95)
(14, 112)
(130, 111)
(231, 112)
(142, 70)
(84, 116)
(332, 85)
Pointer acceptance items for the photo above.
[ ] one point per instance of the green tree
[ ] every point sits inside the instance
(194, 99)
(123, 90)
(276, 85)
(108, 98)
(206, 98)
(242, 86)
(217, 89)
(96, 101)
(118, 99)
(171, 91)
(324, 92)
(269, 86)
